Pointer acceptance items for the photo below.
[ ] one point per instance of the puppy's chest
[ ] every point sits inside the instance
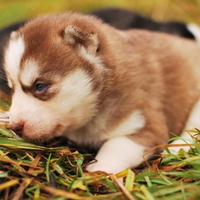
(93, 134)
(103, 128)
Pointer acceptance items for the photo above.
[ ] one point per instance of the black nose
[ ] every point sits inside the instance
(17, 127)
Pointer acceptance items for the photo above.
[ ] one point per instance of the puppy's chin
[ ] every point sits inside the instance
(45, 136)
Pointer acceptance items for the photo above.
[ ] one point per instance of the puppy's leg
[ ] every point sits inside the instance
(118, 154)
(193, 122)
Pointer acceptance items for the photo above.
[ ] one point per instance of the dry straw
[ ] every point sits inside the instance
(30, 171)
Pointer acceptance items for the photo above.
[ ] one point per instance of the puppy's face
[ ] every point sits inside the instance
(55, 82)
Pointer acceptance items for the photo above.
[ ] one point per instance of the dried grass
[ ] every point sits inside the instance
(30, 171)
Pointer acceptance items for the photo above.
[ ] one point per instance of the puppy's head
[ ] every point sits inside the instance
(56, 77)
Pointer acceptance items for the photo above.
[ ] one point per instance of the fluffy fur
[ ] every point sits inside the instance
(121, 92)
(119, 18)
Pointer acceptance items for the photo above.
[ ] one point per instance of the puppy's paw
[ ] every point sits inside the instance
(118, 154)
(98, 166)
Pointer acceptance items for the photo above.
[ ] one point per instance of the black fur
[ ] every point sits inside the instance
(125, 19)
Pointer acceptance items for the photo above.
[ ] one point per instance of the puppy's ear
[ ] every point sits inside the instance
(75, 36)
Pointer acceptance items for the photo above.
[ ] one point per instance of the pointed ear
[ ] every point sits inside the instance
(75, 36)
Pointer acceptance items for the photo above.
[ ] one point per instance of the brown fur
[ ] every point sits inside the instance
(156, 73)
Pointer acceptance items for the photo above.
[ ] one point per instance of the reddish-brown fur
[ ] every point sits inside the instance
(156, 73)
(150, 71)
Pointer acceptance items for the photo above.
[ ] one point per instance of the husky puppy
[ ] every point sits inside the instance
(120, 92)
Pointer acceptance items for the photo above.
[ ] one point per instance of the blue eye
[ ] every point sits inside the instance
(40, 87)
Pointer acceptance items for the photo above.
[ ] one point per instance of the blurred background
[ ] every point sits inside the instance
(161, 10)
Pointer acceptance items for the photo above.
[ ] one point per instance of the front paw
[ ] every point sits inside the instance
(118, 154)
(97, 166)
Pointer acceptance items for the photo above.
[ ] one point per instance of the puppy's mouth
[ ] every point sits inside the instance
(42, 138)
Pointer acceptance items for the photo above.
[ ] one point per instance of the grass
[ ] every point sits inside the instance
(54, 171)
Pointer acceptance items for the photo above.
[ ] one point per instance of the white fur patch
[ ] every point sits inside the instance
(131, 125)
(195, 30)
(17, 111)
(193, 122)
(77, 85)
(118, 154)
(13, 55)
(91, 58)
(96, 131)
(29, 73)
